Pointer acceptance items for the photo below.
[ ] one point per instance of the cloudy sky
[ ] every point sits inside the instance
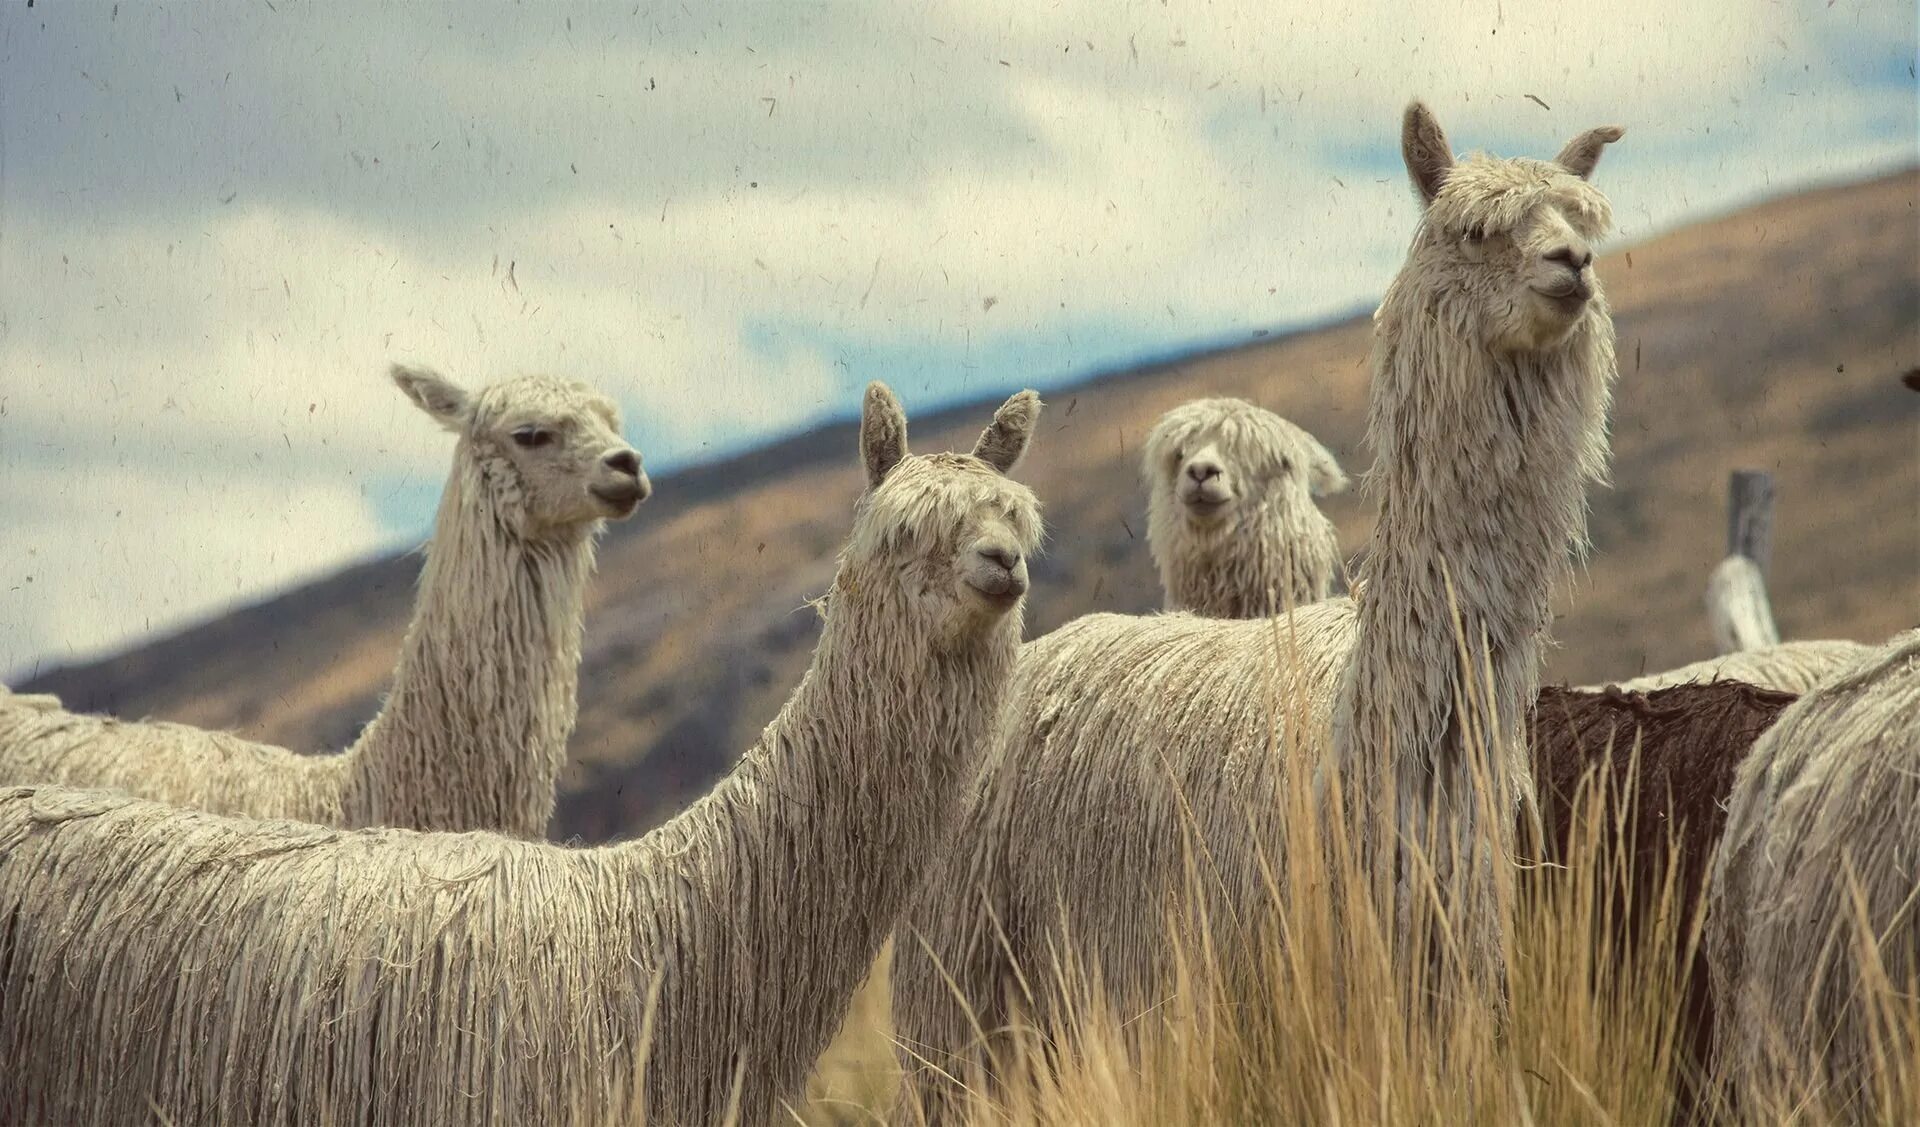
(220, 221)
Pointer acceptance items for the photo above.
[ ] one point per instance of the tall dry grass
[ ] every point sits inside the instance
(1301, 1010)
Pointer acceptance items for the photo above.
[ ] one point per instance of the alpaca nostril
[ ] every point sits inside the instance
(1005, 557)
(623, 461)
(1203, 472)
(1574, 260)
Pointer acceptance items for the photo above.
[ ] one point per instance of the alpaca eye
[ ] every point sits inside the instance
(1476, 234)
(531, 436)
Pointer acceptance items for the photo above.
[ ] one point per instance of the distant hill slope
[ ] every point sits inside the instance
(1771, 338)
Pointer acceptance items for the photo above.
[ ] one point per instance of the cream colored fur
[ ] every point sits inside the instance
(1488, 421)
(474, 731)
(163, 963)
(1231, 520)
(1814, 905)
(1789, 667)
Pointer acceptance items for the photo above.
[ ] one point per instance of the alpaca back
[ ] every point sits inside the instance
(1789, 667)
(1127, 747)
(1822, 846)
(172, 763)
(318, 967)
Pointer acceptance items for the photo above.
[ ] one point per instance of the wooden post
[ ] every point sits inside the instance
(1750, 516)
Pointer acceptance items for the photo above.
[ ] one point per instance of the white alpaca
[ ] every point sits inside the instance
(204, 969)
(1813, 924)
(1738, 610)
(1231, 521)
(1790, 667)
(1127, 737)
(474, 732)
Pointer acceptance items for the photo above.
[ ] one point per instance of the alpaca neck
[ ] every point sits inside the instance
(1481, 465)
(794, 869)
(474, 733)
(1258, 566)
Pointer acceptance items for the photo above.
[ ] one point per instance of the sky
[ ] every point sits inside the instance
(221, 221)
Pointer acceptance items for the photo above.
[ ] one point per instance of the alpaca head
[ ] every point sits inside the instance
(1507, 243)
(949, 534)
(547, 453)
(1210, 460)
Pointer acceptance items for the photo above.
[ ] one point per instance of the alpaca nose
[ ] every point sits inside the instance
(1202, 472)
(1004, 556)
(1573, 258)
(623, 461)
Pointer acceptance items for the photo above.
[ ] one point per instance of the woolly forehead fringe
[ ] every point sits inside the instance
(1495, 194)
(536, 394)
(1247, 433)
(936, 497)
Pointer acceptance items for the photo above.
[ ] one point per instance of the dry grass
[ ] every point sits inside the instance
(1314, 1027)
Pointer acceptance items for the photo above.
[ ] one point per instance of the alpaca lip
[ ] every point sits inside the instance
(621, 500)
(1570, 298)
(1201, 505)
(1001, 591)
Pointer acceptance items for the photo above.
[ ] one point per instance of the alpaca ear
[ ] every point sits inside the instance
(883, 433)
(433, 393)
(1424, 147)
(1324, 475)
(1002, 443)
(1583, 152)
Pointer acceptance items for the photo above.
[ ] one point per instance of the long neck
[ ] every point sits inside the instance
(1262, 564)
(1481, 462)
(474, 733)
(771, 896)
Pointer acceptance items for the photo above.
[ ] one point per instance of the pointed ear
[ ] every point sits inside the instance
(883, 433)
(1324, 475)
(433, 393)
(1583, 152)
(1002, 443)
(1424, 147)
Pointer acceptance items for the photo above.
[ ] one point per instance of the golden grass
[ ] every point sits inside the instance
(1308, 1023)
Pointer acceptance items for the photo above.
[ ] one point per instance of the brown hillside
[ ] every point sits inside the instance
(1773, 338)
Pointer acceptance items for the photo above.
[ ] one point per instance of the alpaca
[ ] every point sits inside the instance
(1820, 853)
(1231, 521)
(1492, 373)
(213, 969)
(474, 732)
(1789, 667)
(1665, 759)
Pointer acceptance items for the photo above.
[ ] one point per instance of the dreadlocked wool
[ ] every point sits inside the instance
(211, 969)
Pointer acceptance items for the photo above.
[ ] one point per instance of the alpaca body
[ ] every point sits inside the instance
(1822, 848)
(1231, 520)
(1122, 731)
(474, 732)
(1789, 667)
(223, 970)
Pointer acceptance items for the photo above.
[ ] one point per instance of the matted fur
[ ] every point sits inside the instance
(474, 732)
(1125, 732)
(1822, 849)
(1666, 759)
(1790, 667)
(213, 969)
(1267, 547)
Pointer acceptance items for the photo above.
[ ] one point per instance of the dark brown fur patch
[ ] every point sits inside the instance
(1691, 739)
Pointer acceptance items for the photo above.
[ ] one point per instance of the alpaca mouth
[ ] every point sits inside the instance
(998, 591)
(1204, 507)
(1568, 299)
(622, 500)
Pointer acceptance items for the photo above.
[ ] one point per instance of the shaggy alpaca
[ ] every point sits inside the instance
(1230, 515)
(1821, 851)
(213, 969)
(1492, 374)
(474, 732)
(1790, 667)
(1666, 761)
